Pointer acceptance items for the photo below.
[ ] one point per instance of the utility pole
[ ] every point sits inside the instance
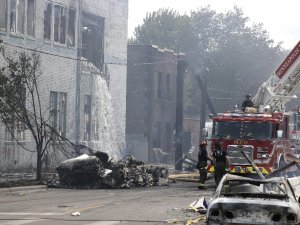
(204, 89)
(181, 68)
(203, 109)
(78, 75)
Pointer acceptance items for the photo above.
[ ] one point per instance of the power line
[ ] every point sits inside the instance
(222, 90)
(85, 60)
(225, 98)
(52, 54)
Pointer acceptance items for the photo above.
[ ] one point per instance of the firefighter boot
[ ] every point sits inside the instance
(201, 186)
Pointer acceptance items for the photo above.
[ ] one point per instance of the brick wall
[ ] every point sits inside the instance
(150, 118)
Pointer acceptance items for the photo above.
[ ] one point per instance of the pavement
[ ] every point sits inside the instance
(152, 205)
(23, 189)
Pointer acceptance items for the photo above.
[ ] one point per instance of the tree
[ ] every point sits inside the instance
(164, 27)
(20, 101)
(234, 57)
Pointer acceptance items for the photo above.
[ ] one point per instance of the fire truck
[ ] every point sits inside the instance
(265, 134)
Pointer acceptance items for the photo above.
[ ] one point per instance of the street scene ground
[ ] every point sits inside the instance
(151, 205)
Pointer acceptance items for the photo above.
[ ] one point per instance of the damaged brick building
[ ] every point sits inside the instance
(83, 49)
(151, 103)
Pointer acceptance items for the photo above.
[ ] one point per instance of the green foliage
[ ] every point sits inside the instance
(234, 56)
(162, 27)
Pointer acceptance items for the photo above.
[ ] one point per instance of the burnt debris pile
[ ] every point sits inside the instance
(98, 172)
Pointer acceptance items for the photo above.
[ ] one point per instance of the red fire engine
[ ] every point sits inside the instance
(265, 135)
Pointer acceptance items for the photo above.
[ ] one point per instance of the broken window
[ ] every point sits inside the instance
(87, 117)
(93, 48)
(60, 24)
(17, 12)
(58, 107)
(3, 14)
(31, 17)
(71, 28)
(47, 20)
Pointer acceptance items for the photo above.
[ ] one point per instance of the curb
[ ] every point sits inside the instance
(27, 189)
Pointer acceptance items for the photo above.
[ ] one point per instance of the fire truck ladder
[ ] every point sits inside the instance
(285, 92)
(287, 82)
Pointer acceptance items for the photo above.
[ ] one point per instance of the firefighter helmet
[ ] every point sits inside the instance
(202, 143)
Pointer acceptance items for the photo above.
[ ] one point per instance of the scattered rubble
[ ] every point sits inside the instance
(98, 172)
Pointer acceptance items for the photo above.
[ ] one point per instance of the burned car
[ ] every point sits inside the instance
(242, 200)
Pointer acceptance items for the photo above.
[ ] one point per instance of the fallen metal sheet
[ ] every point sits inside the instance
(200, 205)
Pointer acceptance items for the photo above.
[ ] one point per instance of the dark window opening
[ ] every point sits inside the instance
(58, 109)
(62, 114)
(47, 20)
(53, 109)
(60, 24)
(17, 12)
(31, 17)
(71, 28)
(93, 39)
(3, 14)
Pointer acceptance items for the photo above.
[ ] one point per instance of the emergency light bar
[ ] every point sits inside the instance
(244, 115)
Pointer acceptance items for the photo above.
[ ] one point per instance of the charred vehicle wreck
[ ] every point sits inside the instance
(242, 200)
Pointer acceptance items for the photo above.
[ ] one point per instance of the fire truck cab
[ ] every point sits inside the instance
(263, 136)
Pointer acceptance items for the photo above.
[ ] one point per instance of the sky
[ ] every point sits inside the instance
(280, 18)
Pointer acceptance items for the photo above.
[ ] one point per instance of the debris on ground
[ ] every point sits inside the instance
(75, 214)
(196, 220)
(200, 205)
(98, 172)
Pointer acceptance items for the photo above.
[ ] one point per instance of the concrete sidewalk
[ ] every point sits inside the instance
(22, 189)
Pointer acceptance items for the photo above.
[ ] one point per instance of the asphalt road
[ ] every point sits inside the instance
(151, 205)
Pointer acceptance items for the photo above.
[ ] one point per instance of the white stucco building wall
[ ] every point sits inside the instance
(60, 74)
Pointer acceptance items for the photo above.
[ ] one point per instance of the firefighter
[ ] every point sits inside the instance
(247, 102)
(221, 162)
(202, 164)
